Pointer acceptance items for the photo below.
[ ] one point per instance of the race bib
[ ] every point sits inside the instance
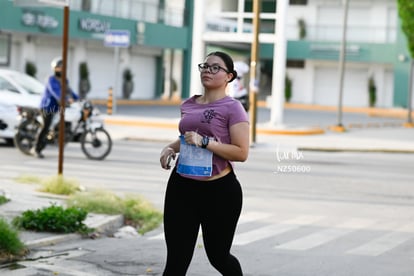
(194, 160)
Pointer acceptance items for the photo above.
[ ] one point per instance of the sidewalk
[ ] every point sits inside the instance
(396, 139)
(381, 138)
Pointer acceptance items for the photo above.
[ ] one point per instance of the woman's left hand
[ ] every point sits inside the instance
(193, 138)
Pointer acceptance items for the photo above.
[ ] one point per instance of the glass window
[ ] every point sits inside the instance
(295, 63)
(6, 85)
(298, 2)
(30, 84)
(4, 49)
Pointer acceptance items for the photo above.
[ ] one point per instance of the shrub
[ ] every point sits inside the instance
(84, 83)
(288, 88)
(141, 214)
(302, 28)
(3, 199)
(30, 69)
(53, 219)
(372, 92)
(9, 240)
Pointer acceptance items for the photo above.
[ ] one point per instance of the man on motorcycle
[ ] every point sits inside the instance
(236, 88)
(50, 104)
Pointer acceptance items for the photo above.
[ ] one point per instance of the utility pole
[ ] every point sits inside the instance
(64, 87)
(339, 127)
(409, 122)
(254, 83)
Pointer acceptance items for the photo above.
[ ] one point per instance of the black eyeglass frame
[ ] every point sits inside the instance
(204, 66)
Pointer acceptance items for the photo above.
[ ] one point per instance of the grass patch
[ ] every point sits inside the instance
(28, 179)
(97, 201)
(10, 244)
(137, 211)
(59, 185)
(141, 214)
(55, 185)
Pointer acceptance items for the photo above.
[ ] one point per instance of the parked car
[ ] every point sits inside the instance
(16, 89)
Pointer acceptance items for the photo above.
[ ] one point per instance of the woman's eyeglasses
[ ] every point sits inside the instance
(213, 69)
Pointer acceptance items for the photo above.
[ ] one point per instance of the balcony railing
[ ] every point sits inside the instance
(362, 34)
(242, 25)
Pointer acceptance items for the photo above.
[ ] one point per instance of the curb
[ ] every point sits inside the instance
(315, 130)
(52, 240)
(378, 150)
(103, 224)
(395, 113)
(170, 125)
(298, 131)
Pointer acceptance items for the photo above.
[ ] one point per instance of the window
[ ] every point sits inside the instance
(5, 85)
(295, 63)
(298, 2)
(5, 41)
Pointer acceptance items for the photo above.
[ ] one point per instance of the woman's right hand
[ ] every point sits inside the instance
(167, 155)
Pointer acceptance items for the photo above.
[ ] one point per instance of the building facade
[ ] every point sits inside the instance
(168, 39)
(33, 34)
(376, 51)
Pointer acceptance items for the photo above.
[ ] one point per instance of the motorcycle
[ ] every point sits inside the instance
(244, 100)
(81, 125)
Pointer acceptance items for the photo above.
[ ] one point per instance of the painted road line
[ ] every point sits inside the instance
(245, 218)
(386, 242)
(274, 229)
(324, 236)
(253, 216)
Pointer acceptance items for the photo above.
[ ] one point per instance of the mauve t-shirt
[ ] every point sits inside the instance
(213, 120)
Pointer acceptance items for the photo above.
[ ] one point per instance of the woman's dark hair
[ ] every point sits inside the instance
(227, 60)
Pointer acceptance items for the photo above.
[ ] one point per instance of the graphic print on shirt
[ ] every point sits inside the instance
(208, 115)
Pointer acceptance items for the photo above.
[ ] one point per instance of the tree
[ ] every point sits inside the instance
(30, 69)
(84, 83)
(372, 92)
(406, 11)
(288, 88)
(128, 83)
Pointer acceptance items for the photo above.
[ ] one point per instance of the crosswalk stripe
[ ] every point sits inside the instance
(386, 242)
(272, 230)
(253, 216)
(246, 217)
(321, 237)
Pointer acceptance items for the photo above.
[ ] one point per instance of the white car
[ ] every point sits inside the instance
(16, 89)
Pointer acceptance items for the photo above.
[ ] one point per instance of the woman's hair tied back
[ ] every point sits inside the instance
(228, 61)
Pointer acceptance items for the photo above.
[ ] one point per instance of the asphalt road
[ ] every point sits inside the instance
(305, 213)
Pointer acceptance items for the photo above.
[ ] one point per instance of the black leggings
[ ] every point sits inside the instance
(41, 139)
(216, 206)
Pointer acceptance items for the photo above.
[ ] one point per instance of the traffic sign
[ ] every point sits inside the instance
(117, 38)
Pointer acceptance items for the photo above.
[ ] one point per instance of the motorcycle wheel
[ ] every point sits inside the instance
(96, 144)
(25, 137)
